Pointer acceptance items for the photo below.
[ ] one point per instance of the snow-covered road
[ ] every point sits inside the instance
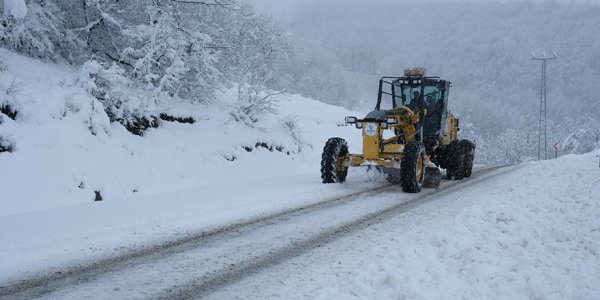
(520, 232)
(200, 265)
(531, 234)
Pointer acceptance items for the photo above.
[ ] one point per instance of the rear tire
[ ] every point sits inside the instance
(460, 156)
(331, 169)
(468, 151)
(467, 167)
(412, 167)
(449, 174)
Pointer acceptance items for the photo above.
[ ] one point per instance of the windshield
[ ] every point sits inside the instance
(410, 94)
(394, 94)
(390, 96)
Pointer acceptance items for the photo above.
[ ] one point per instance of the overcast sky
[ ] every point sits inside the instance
(282, 8)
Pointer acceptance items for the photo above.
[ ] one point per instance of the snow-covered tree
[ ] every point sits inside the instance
(511, 147)
(157, 52)
(181, 50)
(37, 28)
(254, 49)
(581, 141)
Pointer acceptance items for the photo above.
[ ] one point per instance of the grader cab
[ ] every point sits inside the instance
(409, 136)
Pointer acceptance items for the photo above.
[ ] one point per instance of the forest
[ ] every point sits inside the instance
(483, 47)
(140, 56)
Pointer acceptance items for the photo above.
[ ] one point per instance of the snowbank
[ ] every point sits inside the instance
(65, 148)
(15, 8)
(177, 179)
(533, 233)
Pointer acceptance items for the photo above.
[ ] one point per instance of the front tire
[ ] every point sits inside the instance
(412, 167)
(332, 170)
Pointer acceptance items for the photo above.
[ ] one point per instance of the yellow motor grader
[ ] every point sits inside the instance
(409, 136)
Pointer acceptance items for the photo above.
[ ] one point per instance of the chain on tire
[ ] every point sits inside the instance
(331, 169)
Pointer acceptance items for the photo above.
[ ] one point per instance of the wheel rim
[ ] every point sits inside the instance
(419, 172)
(339, 164)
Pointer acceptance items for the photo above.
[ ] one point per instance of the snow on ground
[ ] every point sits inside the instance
(176, 180)
(59, 162)
(15, 8)
(531, 234)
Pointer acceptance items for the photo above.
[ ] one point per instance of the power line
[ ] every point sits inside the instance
(543, 123)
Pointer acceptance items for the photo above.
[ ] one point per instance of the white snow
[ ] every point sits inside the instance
(15, 8)
(532, 233)
(58, 162)
(174, 180)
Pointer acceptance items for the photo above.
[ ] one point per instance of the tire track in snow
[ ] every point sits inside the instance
(48, 282)
(206, 285)
(223, 273)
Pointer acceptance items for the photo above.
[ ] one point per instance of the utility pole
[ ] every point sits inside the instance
(543, 124)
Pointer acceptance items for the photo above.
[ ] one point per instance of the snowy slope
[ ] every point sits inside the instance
(533, 233)
(178, 178)
(59, 162)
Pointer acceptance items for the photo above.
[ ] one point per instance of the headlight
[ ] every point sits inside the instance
(392, 121)
(351, 120)
(384, 125)
(359, 125)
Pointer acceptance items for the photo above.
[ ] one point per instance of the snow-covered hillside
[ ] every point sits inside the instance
(65, 148)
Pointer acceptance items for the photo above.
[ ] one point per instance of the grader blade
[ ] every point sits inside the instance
(433, 177)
